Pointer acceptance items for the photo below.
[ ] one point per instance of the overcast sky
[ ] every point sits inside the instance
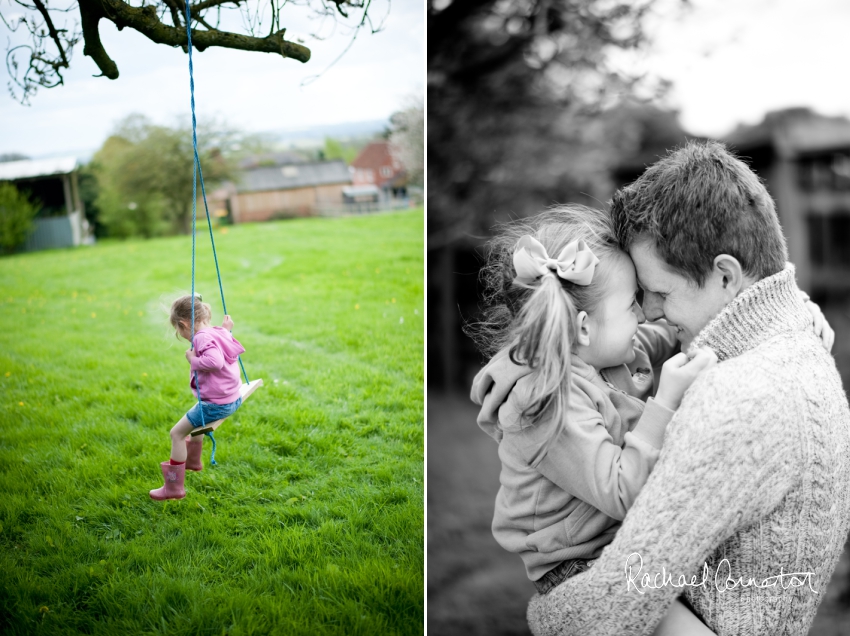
(731, 62)
(252, 91)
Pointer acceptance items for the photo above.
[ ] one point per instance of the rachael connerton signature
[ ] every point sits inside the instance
(723, 579)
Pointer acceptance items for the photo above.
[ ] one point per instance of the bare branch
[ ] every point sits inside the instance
(52, 30)
(275, 17)
(175, 11)
(205, 23)
(206, 4)
(339, 4)
(43, 67)
(312, 79)
(145, 21)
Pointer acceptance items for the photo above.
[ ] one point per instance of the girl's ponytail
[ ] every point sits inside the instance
(531, 303)
(544, 339)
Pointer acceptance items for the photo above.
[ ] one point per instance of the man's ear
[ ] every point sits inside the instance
(729, 274)
(583, 329)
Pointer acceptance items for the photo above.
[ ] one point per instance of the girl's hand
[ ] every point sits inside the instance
(227, 323)
(190, 353)
(679, 373)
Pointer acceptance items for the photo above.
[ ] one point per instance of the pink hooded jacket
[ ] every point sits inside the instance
(216, 354)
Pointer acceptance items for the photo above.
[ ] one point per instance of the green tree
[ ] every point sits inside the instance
(144, 174)
(335, 149)
(16, 215)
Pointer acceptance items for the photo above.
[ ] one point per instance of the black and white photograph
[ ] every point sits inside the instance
(638, 334)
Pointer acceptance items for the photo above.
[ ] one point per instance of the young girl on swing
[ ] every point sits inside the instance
(213, 361)
(571, 393)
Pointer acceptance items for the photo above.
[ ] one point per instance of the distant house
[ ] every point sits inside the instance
(357, 195)
(53, 184)
(375, 166)
(265, 192)
(804, 159)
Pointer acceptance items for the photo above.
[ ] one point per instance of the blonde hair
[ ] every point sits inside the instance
(538, 320)
(181, 311)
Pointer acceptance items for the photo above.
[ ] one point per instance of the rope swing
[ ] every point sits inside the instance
(249, 387)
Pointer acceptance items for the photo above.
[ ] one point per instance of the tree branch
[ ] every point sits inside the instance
(145, 21)
(52, 30)
(206, 4)
(175, 11)
(205, 23)
(44, 67)
(91, 12)
(350, 43)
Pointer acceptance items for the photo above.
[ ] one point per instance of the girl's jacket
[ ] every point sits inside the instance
(566, 502)
(216, 355)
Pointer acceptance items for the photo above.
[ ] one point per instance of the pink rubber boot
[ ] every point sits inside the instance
(194, 447)
(173, 488)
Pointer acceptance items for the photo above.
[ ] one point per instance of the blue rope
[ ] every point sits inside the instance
(197, 171)
(212, 454)
(194, 218)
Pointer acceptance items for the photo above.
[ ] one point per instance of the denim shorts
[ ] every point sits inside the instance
(212, 412)
(560, 573)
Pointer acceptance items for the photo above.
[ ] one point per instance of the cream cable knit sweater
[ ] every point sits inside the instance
(753, 482)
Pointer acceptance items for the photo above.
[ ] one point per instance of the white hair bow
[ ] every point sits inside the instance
(575, 263)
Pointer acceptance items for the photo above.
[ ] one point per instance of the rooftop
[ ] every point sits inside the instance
(375, 155)
(792, 132)
(31, 168)
(272, 159)
(293, 176)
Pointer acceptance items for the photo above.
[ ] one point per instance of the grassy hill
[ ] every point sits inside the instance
(312, 521)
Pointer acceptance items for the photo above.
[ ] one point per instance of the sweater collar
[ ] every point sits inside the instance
(765, 309)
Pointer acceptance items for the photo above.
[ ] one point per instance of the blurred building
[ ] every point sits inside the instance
(376, 167)
(267, 189)
(53, 184)
(804, 159)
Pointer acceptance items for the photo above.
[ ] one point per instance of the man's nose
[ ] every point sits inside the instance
(652, 307)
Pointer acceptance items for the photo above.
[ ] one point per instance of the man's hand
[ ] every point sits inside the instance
(227, 323)
(821, 326)
(190, 353)
(679, 373)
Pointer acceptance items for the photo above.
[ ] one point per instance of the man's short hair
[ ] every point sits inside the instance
(696, 203)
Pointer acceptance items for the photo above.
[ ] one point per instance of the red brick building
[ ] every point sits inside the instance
(375, 165)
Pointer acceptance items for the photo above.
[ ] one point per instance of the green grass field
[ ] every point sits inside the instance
(312, 522)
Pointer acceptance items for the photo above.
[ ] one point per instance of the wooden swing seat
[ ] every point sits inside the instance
(245, 392)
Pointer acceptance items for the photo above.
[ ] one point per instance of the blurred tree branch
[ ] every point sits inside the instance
(517, 91)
